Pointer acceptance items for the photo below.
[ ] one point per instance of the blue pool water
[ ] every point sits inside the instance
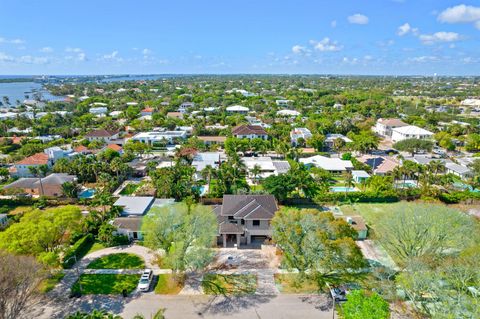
(337, 189)
(88, 193)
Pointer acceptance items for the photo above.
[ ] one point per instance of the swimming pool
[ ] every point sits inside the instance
(338, 189)
(87, 193)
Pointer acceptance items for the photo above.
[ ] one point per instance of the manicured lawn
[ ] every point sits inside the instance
(215, 284)
(371, 212)
(167, 285)
(130, 188)
(292, 284)
(118, 261)
(106, 284)
(49, 283)
(96, 246)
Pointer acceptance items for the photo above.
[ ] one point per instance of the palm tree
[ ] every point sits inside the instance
(39, 171)
(207, 174)
(255, 171)
(348, 178)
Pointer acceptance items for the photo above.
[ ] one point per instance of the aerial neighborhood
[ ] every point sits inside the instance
(197, 186)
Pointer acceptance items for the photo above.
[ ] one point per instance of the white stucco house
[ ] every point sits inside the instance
(409, 132)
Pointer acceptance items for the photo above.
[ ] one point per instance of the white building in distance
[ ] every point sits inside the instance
(410, 131)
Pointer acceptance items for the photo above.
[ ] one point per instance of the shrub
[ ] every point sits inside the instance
(79, 249)
(457, 197)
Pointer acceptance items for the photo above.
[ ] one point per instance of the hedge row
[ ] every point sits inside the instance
(79, 249)
(457, 197)
(367, 197)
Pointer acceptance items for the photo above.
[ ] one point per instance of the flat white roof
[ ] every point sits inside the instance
(360, 174)
(327, 163)
(237, 108)
(265, 163)
(288, 113)
(411, 130)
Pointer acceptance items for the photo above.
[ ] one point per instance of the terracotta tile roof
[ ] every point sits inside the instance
(147, 109)
(81, 149)
(175, 114)
(36, 159)
(101, 133)
(248, 129)
(392, 122)
(114, 147)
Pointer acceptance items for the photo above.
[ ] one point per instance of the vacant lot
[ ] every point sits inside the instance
(293, 284)
(118, 261)
(106, 284)
(167, 285)
(217, 284)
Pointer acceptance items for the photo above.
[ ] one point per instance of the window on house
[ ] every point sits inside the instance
(256, 223)
(243, 222)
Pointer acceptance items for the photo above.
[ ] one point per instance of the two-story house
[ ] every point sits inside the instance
(249, 132)
(384, 127)
(102, 135)
(245, 219)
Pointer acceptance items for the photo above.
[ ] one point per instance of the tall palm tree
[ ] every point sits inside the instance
(39, 172)
(207, 174)
(255, 171)
(348, 178)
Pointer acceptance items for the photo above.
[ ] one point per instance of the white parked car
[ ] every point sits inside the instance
(145, 280)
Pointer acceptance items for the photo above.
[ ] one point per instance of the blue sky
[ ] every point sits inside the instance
(230, 36)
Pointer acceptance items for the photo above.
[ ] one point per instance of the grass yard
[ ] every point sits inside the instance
(118, 261)
(106, 284)
(167, 285)
(216, 284)
(292, 284)
(130, 188)
(371, 212)
(96, 246)
(49, 283)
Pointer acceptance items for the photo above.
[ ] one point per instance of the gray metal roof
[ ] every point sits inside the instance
(134, 205)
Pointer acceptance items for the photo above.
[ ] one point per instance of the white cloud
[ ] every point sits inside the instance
(146, 51)
(79, 56)
(358, 19)
(11, 41)
(347, 60)
(460, 14)
(28, 59)
(25, 59)
(424, 59)
(326, 45)
(46, 50)
(333, 24)
(437, 37)
(405, 29)
(73, 50)
(298, 49)
(112, 57)
(6, 58)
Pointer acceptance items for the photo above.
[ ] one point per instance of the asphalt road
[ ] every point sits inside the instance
(265, 307)
(194, 306)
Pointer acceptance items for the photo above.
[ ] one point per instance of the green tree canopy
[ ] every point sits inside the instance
(41, 231)
(359, 305)
(186, 234)
(316, 243)
(413, 145)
